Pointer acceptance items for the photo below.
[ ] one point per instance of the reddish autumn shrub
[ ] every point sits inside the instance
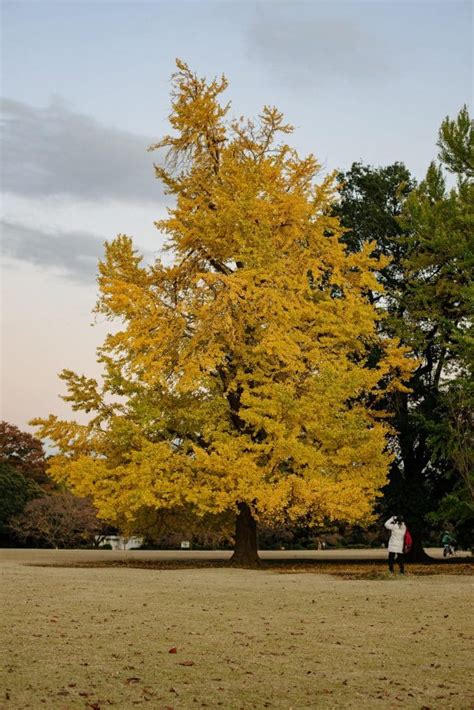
(57, 520)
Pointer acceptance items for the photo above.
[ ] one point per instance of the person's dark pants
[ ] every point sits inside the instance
(400, 559)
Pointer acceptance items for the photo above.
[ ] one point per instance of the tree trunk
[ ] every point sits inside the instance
(417, 553)
(245, 550)
(406, 494)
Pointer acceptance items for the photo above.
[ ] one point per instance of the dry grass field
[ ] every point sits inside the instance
(280, 637)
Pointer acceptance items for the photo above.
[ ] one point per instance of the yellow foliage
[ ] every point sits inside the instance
(241, 372)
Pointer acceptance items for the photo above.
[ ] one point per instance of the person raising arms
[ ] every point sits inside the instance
(396, 544)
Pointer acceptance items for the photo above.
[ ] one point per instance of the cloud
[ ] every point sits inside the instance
(314, 49)
(56, 151)
(74, 254)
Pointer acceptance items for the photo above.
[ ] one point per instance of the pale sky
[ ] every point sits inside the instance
(85, 88)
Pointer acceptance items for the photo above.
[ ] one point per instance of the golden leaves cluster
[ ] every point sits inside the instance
(241, 372)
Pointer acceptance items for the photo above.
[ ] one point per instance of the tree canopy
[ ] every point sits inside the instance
(241, 376)
(15, 492)
(57, 520)
(23, 452)
(426, 230)
(22, 474)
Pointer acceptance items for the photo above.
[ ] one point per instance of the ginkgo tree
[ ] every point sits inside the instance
(244, 376)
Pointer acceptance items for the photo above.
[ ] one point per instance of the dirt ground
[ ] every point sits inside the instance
(78, 637)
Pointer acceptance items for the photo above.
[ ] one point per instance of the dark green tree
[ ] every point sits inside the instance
(453, 443)
(427, 232)
(371, 200)
(456, 146)
(22, 475)
(15, 492)
(453, 435)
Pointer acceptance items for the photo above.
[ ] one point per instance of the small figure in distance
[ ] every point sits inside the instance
(397, 527)
(448, 542)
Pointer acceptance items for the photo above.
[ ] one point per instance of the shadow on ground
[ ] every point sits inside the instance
(345, 569)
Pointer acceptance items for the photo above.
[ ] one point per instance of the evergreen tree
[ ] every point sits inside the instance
(427, 232)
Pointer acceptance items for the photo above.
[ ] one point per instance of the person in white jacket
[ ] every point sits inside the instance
(396, 544)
